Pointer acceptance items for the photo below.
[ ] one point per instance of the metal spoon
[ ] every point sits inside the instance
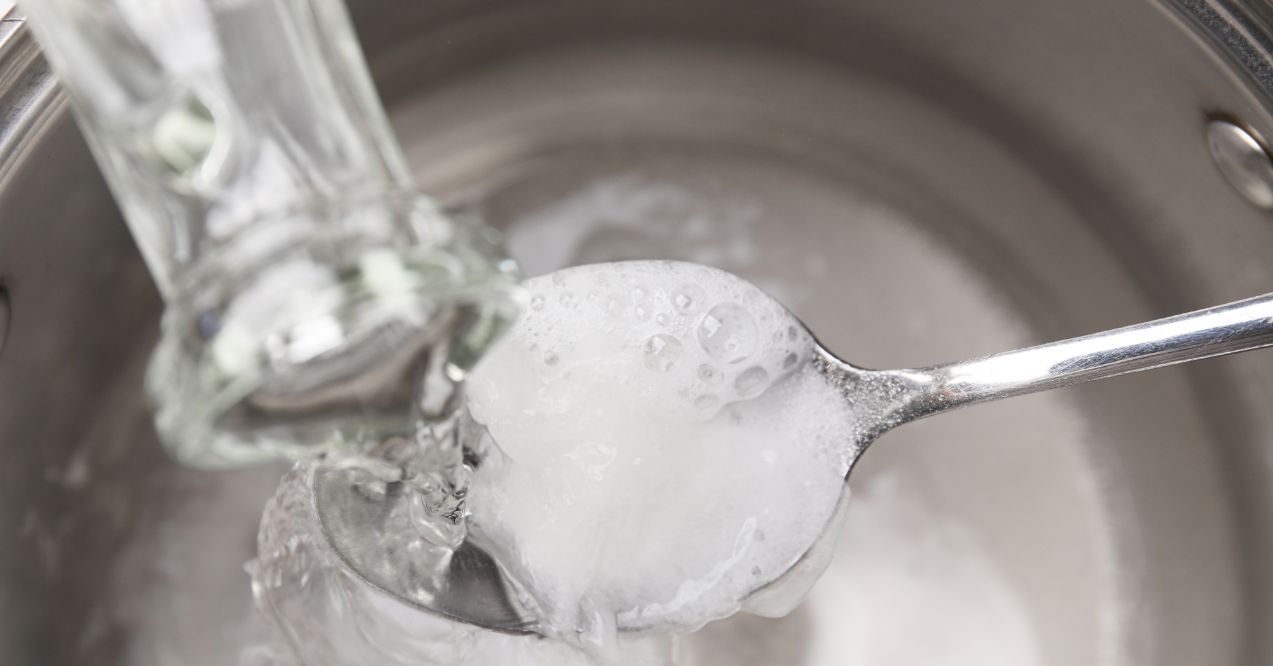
(469, 587)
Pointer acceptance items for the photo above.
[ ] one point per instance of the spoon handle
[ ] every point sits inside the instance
(1224, 329)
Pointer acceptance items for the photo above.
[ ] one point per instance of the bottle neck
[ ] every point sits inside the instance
(209, 118)
(313, 300)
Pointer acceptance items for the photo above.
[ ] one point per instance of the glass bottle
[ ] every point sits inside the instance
(313, 300)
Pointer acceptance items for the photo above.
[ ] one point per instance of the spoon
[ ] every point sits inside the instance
(468, 586)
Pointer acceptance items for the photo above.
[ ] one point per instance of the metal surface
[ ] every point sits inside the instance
(4, 317)
(886, 399)
(1243, 160)
(1053, 152)
(1238, 29)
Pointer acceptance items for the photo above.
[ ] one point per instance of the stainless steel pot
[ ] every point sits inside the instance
(921, 181)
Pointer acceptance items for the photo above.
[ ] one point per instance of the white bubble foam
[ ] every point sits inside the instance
(728, 333)
(663, 352)
(636, 478)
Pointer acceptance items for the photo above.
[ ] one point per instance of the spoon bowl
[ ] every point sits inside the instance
(374, 538)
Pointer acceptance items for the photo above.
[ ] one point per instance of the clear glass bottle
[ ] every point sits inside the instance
(313, 299)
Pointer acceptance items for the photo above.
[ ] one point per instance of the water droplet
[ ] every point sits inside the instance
(755, 571)
(566, 298)
(792, 333)
(790, 361)
(662, 352)
(688, 298)
(537, 302)
(708, 375)
(661, 319)
(551, 358)
(728, 333)
(751, 381)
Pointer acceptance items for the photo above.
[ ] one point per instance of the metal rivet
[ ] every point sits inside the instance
(4, 317)
(1242, 158)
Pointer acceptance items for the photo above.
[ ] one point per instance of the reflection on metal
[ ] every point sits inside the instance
(885, 399)
(1239, 30)
(368, 524)
(1243, 159)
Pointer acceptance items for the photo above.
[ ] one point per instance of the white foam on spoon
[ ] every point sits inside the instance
(663, 446)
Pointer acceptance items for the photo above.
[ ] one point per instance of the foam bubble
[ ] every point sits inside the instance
(751, 381)
(688, 298)
(728, 333)
(662, 352)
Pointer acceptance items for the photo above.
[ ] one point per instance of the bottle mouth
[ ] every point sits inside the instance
(321, 337)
